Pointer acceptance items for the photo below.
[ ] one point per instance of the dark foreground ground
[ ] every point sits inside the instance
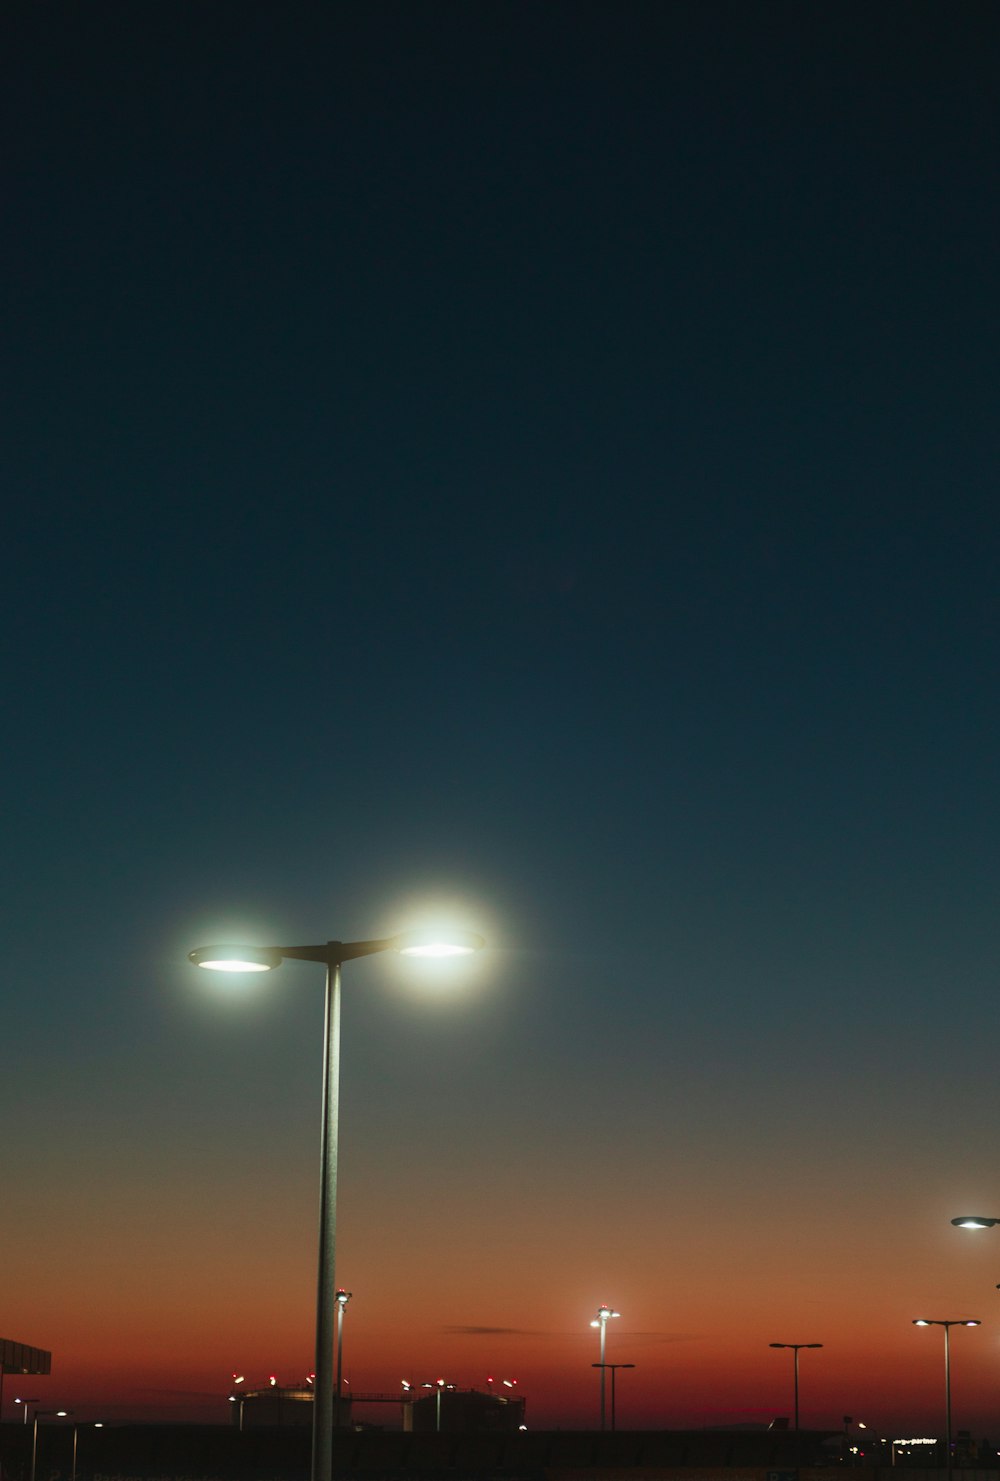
(218, 1453)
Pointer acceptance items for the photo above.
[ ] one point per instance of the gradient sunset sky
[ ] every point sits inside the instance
(532, 466)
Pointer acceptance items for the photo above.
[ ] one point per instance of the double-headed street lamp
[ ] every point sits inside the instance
(332, 956)
(926, 1321)
(604, 1315)
(614, 1368)
(439, 1387)
(796, 1347)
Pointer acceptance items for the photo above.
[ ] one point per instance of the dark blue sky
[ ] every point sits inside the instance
(545, 453)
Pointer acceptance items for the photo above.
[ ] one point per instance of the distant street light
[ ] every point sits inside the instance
(925, 1321)
(332, 956)
(440, 1387)
(796, 1347)
(56, 1414)
(604, 1315)
(26, 1403)
(97, 1424)
(614, 1368)
(974, 1221)
(342, 1299)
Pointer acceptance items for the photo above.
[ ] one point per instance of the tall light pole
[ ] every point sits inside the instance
(439, 1386)
(26, 1402)
(926, 1321)
(604, 1315)
(97, 1425)
(332, 956)
(796, 1348)
(57, 1414)
(342, 1299)
(614, 1368)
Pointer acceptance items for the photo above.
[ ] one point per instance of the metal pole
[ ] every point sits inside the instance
(947, 1394)
(34, 1446)
(73, 1472)
(604, 1327)
(322, 1445)
(796, 1390)
(340, 1361)
(613, 1367)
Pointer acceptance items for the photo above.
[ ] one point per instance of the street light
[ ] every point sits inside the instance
(342, 1299)
(98, 1424)
(26, 1402)
(440, 1386)
(974, 1221)
(332, 956)
(56, 1414)
(926, 1321)
(796, 1348)
(614, 1368)
(604, 1315)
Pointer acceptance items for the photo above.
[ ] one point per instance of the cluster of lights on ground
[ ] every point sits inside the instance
(331, 1301)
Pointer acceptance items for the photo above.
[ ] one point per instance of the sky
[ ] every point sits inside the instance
(528, 467)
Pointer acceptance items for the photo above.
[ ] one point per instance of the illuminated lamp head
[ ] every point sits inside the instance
(974, 1221)
(236, 958)
(437, 943)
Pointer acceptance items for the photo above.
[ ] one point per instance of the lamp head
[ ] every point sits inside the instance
(236, 958)
(342, 1298)
(437, 943)
(974, 1221)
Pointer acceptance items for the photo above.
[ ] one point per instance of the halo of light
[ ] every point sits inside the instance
(236, 958)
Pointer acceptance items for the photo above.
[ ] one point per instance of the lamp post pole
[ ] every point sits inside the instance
(924, 1321)
(97, 1425)
(342, 1299)
(439, 1387)
(59, 1414)
(614, 1368)
(796, 1348)
(333, 956)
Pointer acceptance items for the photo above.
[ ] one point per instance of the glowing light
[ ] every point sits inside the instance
(438, 943)
(974, 1221)
(235, 958)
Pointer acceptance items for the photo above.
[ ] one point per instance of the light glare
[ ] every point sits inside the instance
(236, 958)
(233, 966)
(438, 943)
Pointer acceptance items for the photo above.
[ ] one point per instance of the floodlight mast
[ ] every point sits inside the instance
(332, 956)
